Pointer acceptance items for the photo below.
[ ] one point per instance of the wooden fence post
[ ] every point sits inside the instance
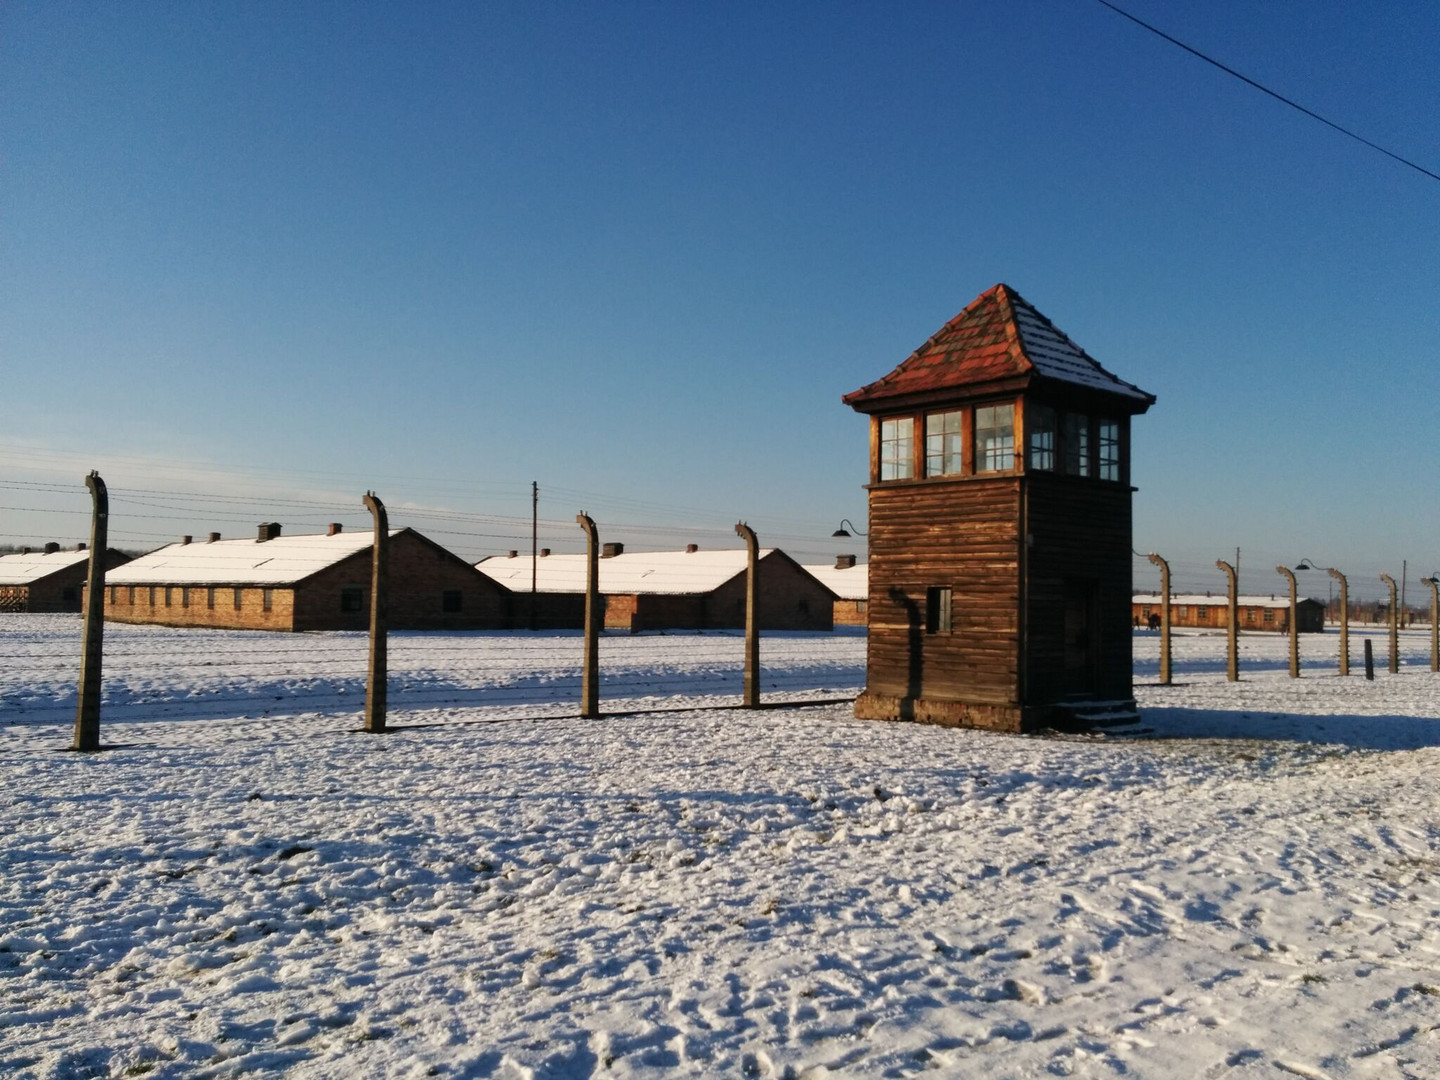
(590, 674)
(1232, 623)
(1369, 660)
(92, 635)
(1394, 626)
(1294, 629)
(1344, 619)
(751, 698)
(1164, 617)
(377, 682)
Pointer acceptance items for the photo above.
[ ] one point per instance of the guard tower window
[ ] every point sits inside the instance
(937, 610)
(1077, 444)
(944, 444)
(1040, 436)
(994, 438)
(897, 448)
(1109, 450)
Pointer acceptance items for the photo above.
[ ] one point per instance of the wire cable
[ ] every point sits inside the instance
(1266, 90)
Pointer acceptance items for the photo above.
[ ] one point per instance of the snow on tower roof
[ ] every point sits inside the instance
(999, 336)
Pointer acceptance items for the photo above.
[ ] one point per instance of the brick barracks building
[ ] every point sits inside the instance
(312, 582)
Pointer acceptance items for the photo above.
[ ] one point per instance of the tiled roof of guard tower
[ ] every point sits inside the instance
(998, 337)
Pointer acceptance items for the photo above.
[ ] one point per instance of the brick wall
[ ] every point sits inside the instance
(192, 606)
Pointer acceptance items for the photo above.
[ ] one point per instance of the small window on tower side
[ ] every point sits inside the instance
(937, 610)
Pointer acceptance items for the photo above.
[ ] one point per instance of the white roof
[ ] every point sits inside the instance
(629, 572)
(24, 569)
(282, 561)
(1056, 356)
(848, 583)
(1220, 600)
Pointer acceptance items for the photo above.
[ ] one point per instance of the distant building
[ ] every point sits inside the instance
(1255, 612)
(312, 582)
(665, 590)
(849, 580)
(48, 580)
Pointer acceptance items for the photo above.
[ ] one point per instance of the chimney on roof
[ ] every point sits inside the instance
(80, 546)
(690, 549)
(51, 548)
(213, 538)
(186, 539)
(609, 551)
(513, 553)
(26, 550)
(844, 562)
(544, 552)
(335, 528)
(268, 531)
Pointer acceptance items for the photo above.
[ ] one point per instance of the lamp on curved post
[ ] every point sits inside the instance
(843, 533)
(1309, 564)
(1164, 617)
(1394, 626)
(1294, 629)
(1434, 582)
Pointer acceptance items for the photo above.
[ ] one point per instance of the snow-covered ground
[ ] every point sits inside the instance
(248, 886)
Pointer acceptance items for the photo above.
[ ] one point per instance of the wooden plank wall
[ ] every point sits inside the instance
(1079, 529)
(963, 534)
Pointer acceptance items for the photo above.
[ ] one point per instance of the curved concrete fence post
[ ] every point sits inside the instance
(752, 621)
(377, 679)
(1232, 622)
(590, 674)
(1294, 629)
(1164, 617)
(92, 638)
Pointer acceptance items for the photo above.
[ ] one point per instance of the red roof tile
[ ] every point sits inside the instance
(1000, 336)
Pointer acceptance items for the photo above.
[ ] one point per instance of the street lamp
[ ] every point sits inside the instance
(1308, 564)
(841, 531)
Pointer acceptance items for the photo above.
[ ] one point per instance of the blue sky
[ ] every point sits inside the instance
(260, 257)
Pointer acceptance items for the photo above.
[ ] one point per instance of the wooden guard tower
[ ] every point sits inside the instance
(999, 527)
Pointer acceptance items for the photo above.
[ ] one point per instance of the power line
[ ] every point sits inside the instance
(1266, 90)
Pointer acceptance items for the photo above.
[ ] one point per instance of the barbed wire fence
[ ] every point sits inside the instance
(156, 672)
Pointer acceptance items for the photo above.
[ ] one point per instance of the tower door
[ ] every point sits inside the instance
(1079, 637)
